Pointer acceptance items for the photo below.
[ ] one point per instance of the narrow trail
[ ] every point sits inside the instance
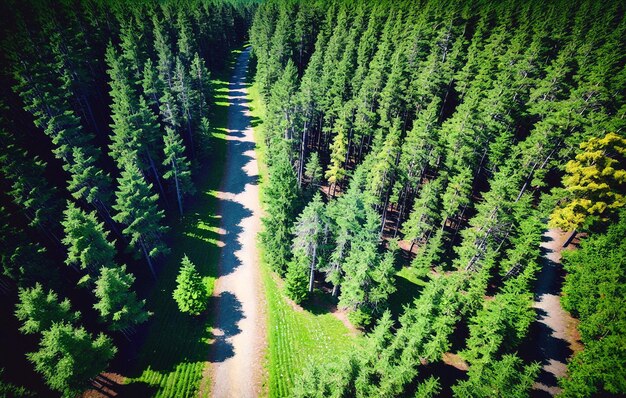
(239, 332)
(554, 336)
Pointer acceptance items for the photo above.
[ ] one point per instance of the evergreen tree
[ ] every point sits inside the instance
(313, 170)
(27, 187)
(117, 303)
(186, 98)
(88, 182)
(508, 377)
(152, 86)
(69, 358)
(38, 310)
(136, 208)
(424, 216)
(280, 195)
(191, 292)
(594, 292)
(336, 171)
(310, 230)
(86, 240)
(178, 167)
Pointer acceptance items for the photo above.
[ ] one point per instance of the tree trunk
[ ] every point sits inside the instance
(148, 259)
(104, 211)
(178, 194)
(190, 133)
(301, 165)
(312, 273)
(156, 177)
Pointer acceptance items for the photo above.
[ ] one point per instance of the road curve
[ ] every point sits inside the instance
(239, 331)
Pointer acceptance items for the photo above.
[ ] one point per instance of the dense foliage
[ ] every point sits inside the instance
(595, 290)
(446, 125)
(104, 112)
(442, 136)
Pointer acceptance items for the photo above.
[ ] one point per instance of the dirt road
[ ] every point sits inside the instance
(554, 336)
(236, 353)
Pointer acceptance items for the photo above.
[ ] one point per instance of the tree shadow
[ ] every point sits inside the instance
(233, 214)
(228, 312)
(406, 292)
(108, 387)
(543, 347)
(320, 302)
(448, 376)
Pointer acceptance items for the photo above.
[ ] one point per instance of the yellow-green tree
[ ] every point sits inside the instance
(595, 182)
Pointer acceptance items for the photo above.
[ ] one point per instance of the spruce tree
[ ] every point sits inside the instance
(137, 209)
(310, 230)
(89, 182)
(178, 167)
(86, 240)
(38, 310)
(117, 304)
(281, 193)
(313, 170)
(69, 358)
(191, 292)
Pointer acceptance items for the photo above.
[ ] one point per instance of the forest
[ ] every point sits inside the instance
(441, 193)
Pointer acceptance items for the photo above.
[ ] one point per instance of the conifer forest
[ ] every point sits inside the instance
(323, 198)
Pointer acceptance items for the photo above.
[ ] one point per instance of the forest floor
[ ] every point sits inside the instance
(553, 336)
(239, 328)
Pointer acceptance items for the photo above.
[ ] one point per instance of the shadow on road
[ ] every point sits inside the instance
(230, 307)
(542, 343)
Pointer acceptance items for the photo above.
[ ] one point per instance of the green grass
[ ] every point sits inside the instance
(295, 337)
(172, 359)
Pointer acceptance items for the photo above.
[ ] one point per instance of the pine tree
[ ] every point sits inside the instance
(310, 230)
(136, 208)
(178, 167)
(38, 310)
(27, 187)
(200, 82)
(69, 358)
(186, 98)
(457, 195)
(313, 170)
(117, 304)
(367, 277)
(336, 171)
(86, 240)
(152, 85)
(281, 192)
(382, 173)
(23, 259)
(89, 182)
(297, 278)
(596, 270)
(282, 107)
(508, 377)
(191, 292)
(425, 214)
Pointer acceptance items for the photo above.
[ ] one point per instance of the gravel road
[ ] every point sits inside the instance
(237, 351)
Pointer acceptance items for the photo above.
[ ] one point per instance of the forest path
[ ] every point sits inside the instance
(239, 331)
(554, 336)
